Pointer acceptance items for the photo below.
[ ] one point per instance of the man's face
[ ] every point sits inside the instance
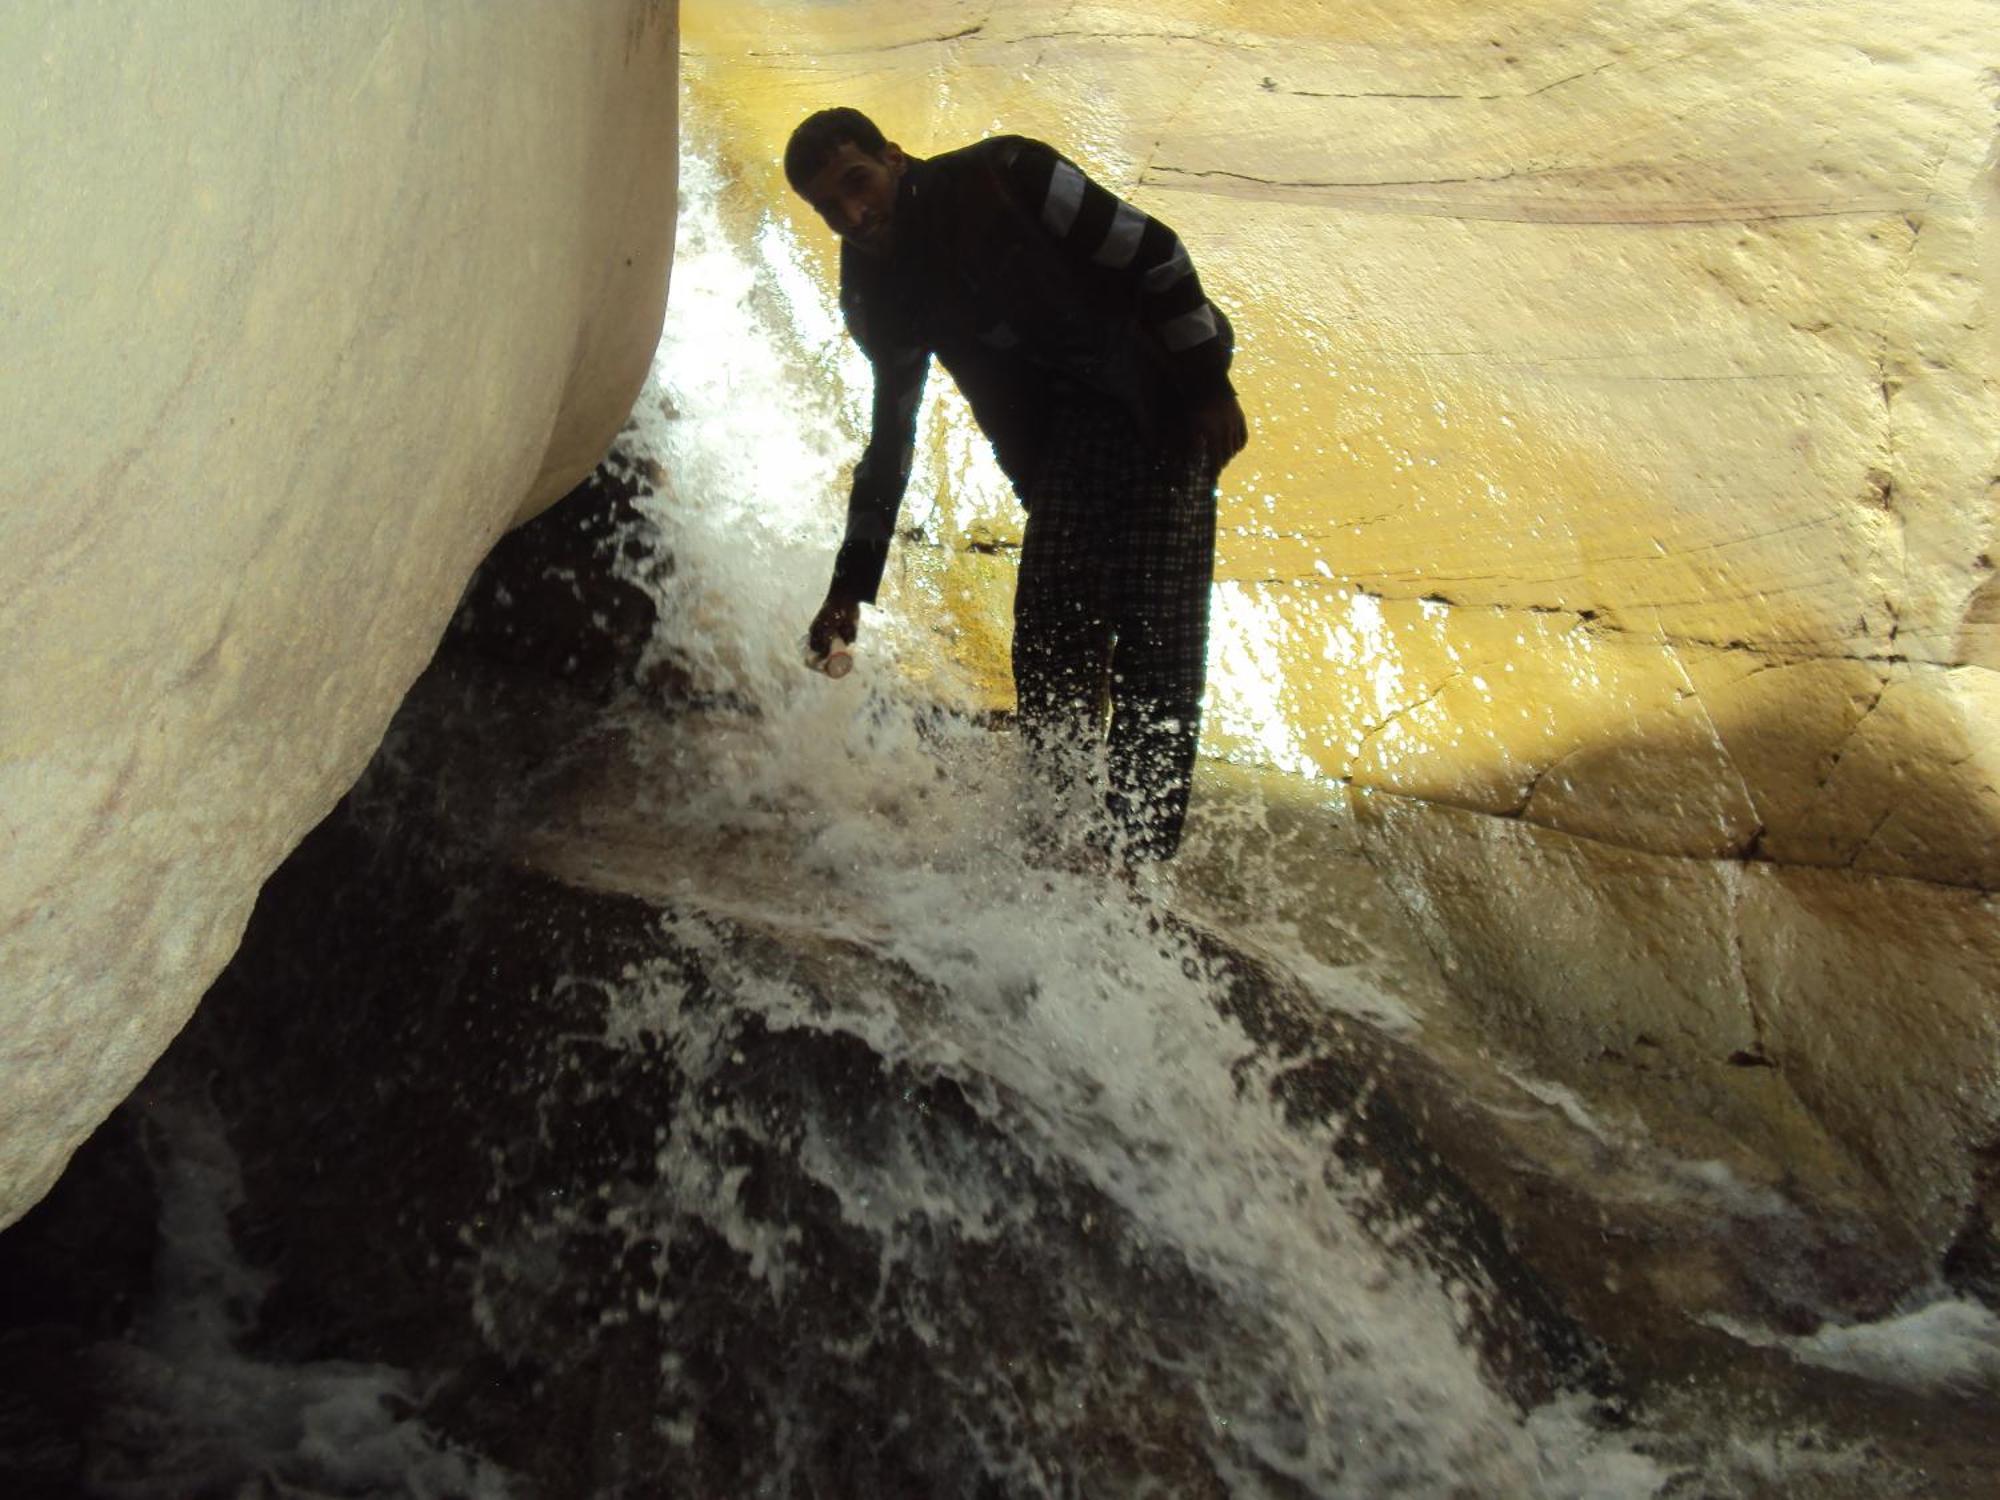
(856, 194)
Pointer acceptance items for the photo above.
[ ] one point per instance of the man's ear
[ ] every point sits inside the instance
(893, 158)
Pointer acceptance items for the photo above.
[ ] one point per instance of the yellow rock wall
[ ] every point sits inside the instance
(1626, 451)
(301, 306)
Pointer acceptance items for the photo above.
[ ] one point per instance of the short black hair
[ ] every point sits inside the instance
(820, 135)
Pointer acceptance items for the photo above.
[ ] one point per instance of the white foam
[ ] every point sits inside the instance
(1949, 1344)
(1564, 1101)
(207, 1418)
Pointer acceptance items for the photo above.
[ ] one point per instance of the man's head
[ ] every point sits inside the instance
(839, 162)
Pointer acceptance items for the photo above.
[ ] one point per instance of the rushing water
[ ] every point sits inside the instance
(1097, 1250)
(853, 812)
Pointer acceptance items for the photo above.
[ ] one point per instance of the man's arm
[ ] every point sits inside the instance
(879, 482)
(1099, 230)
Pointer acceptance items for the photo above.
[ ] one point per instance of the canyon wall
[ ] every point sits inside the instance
(302, 306)
(1619, 508)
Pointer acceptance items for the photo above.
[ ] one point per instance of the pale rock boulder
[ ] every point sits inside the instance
(301, 305)
(1619, 517)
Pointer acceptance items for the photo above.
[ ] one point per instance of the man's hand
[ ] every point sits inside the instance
(1218, 429)
(838, 619)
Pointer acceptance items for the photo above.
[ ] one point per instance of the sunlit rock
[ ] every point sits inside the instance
(1619, 505)
(303, 305)
(1786, 1021)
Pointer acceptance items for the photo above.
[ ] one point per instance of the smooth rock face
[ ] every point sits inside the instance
(303, 305)
(1620, 502)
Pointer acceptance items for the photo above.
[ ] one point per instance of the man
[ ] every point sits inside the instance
(1080, 336)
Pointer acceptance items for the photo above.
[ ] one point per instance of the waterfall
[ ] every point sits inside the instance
(823, 1142)
(1086, 1035)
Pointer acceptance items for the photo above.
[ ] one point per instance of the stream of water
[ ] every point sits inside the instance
(1057, 1168)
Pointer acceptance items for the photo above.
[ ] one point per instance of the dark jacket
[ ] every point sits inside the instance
(1033, 286)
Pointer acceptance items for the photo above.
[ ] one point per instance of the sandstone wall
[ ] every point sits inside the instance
(1624, 474)
(301, 306)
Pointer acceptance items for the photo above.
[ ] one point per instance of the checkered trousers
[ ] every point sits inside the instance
(1111, 619)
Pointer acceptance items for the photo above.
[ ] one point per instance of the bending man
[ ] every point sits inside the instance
(1093, 362)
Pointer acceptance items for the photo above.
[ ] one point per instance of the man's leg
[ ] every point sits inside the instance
(1159, 586)
(1062, 631)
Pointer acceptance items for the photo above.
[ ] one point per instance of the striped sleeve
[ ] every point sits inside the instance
(1097, 229)
(884, 471)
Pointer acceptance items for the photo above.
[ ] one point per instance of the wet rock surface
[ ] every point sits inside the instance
(1620, 540)
(450, 1167)
(457, 1161)
(513, 1160)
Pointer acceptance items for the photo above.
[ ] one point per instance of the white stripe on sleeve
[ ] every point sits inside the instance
(1065, 197)
(1170, 270)
(1121, 240)
(1189, 329)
